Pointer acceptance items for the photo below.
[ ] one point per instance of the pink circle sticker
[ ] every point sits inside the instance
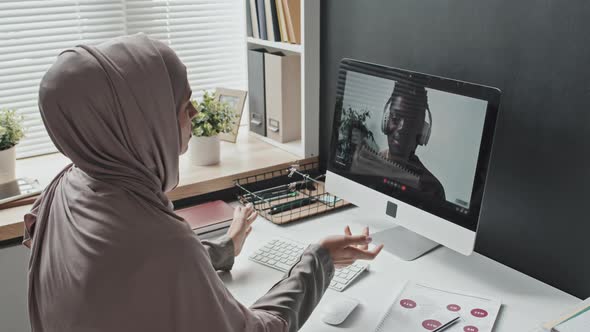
(453, 307)
(407, 303)
(470, 328)
(479, 313)
(431, 324)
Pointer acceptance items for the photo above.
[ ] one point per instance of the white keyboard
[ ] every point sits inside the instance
(281, 254)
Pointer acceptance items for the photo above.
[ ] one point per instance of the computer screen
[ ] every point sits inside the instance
(414, 137)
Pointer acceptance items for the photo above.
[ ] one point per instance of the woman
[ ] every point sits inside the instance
(107, 251)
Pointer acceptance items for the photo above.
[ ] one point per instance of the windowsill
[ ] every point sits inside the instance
(247, 156)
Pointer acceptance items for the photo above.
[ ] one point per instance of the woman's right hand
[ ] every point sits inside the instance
(347, 248)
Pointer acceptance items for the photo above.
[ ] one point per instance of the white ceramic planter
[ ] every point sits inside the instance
(204, 151)
(7, 165)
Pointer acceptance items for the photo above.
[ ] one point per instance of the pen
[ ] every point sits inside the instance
(274, 198)
(292, 205)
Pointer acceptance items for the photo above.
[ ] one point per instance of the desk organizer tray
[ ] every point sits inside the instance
(289, 194)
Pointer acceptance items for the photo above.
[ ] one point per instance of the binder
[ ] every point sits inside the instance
(292, 10)
(272, 21)
(256, 93)
(282, 22)
(249, 30)
(261, 14)
(283, 96)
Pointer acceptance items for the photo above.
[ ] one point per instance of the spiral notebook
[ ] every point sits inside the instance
(418, 308)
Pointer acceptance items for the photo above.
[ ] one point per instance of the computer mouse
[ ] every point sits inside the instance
(335, 312)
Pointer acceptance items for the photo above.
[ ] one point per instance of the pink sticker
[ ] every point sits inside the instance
(479, 313)
(431, 324)
(470, 329)
(453, 307)
(408, 304)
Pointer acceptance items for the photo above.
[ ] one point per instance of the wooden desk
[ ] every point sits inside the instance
(247, 157)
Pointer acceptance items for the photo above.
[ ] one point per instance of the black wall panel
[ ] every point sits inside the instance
(535, 216)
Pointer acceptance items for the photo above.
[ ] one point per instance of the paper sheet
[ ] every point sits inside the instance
(413, 309)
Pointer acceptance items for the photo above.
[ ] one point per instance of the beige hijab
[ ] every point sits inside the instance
(107, 251)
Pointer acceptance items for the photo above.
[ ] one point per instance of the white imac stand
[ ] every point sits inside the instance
(403, 243)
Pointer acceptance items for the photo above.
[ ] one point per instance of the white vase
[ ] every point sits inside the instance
(7, 165)
(204, 151)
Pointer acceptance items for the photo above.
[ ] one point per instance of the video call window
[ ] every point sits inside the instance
(410, 141)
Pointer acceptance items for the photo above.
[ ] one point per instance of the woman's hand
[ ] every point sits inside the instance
(347, 248)
(241, 227)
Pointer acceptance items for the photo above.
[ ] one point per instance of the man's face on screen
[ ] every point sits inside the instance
(403, 128)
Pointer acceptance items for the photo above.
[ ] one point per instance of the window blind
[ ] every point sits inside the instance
(32, 34)
(208, 36)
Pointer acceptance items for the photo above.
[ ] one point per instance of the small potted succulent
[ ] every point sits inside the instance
(11, 132)
(212, 119)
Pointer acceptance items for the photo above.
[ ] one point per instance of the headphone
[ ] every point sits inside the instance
(426, 128)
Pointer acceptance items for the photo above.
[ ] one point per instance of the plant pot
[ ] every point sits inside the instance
(7, 165)
(204, 150)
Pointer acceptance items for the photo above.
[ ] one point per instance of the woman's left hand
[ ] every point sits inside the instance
(241, 227)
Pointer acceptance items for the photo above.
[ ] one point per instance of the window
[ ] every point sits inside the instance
(208, 36)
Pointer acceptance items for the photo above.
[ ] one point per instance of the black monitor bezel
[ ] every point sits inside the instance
(489, 94)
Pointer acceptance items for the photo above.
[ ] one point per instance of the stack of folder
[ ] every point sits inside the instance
(274, 90)
(274, 20)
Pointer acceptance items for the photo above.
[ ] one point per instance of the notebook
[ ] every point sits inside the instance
(417, 308)
(578, 323)
(566, 321)
(207, 217)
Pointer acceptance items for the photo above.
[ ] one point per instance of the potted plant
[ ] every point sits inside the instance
(11, 131)
(213, 118)
(353, 120)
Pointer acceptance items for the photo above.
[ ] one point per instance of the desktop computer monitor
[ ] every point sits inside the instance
(414, 148)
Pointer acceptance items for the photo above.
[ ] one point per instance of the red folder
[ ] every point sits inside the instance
(207, 217)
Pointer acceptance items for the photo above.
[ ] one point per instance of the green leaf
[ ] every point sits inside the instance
(213, 118)
(11, 129)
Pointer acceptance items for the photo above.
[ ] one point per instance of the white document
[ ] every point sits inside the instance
(415, 308)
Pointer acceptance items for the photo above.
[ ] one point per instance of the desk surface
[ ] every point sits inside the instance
(526, 301)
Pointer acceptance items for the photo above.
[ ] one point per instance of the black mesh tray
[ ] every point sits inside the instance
(289, 194)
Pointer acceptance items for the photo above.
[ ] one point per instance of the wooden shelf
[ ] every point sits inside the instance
(293, 147)
(309, 52)
(275, 45)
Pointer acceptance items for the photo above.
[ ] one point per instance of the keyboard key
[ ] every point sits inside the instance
(340, 280)
(349, 277)
(283, 266)
(337, 286)
(282, 255)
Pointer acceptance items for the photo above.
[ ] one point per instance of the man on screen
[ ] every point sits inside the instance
(404, 124)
